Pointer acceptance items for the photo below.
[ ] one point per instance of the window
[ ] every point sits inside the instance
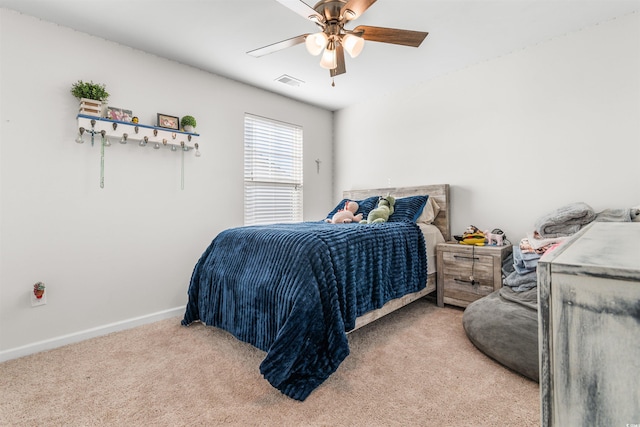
(272, 171)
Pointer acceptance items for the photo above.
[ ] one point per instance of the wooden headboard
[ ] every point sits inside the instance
(439, 192)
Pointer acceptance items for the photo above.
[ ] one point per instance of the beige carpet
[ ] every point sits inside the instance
(415, 367)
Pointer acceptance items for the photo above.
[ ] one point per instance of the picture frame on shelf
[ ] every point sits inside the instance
(127, 115)
(114, 113)
(169, 122)
(120, 114)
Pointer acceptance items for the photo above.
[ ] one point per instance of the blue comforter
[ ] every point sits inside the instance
(293, 290)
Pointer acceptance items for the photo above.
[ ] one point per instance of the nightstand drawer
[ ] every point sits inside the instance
(463, 289)
(463, 265)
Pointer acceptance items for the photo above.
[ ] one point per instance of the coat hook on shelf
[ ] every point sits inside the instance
(105, 138)
(79, 139)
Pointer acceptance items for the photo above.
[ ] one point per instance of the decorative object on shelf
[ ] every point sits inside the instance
(91, 107)
(92, 97)
(120, 114)
(188, 123)
(38, 290)
(160, 137)
(134, 119)
(169, 122)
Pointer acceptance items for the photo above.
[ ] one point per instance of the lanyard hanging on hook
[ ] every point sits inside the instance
(103, 143)
(182, 167)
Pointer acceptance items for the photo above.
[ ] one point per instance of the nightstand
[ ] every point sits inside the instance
(467, 272)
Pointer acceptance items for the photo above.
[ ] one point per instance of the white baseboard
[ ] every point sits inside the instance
(52, 343)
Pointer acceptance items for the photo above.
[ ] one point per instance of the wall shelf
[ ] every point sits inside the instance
(107, 131)
(142, 134)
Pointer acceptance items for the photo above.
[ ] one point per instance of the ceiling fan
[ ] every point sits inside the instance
(333, 39)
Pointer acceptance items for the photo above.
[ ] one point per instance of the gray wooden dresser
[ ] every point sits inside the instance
(589, 328)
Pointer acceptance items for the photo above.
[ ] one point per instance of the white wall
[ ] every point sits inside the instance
(516, 137)
(124, 252)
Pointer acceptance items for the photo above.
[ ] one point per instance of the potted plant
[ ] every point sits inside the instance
(188, 123)
(92, 97)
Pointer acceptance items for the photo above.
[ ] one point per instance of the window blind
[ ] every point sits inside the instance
(272, 171)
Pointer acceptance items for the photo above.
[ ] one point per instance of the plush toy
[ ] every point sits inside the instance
(382, 212)
(471, 236)
(493, 239)
(346, 215)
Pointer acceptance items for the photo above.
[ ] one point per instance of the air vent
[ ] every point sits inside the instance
(288, 80)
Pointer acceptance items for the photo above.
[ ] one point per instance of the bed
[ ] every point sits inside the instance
(439, 232)
(296, 290)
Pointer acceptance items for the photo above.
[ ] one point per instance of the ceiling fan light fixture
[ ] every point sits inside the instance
(352, 44)
(315, 43)
(331, 16)
(329, 59)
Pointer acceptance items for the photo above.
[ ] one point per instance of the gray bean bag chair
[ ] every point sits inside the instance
(504, 326)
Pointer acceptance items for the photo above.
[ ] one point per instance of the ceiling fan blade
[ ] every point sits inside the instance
(265, 50)
(340, 68)
(358, 7)
(302, 9)
(391, 35)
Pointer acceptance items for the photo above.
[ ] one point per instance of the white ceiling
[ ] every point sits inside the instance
(214, 35)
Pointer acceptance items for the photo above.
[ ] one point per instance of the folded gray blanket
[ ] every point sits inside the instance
(615, 215)
(521, 282)
(565, 221)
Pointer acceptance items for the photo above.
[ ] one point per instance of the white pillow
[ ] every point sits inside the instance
(430, 212)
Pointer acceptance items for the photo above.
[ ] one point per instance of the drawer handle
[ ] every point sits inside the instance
(470, 282)
(475, 258)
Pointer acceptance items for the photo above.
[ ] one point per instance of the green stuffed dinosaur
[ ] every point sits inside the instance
(382, 212)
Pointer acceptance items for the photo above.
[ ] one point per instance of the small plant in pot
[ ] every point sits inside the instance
(92, 97)
(89, 90)
(188, 123)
